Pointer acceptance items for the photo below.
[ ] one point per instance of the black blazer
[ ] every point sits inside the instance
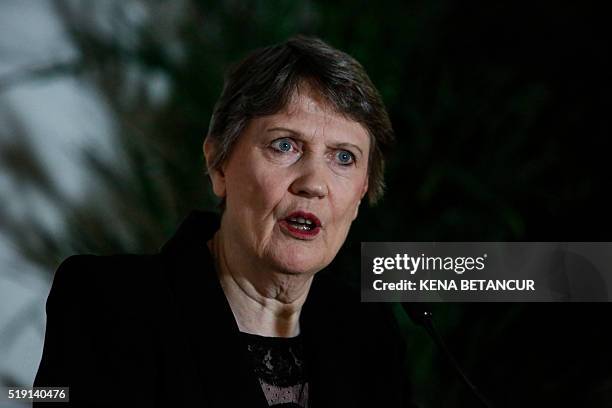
(157, 331)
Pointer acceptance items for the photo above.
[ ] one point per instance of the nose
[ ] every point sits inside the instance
(311, 180)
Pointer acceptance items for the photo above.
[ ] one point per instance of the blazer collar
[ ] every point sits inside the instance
(205, 318)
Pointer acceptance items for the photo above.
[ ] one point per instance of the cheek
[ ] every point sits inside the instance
(255, 187)
(346, 197)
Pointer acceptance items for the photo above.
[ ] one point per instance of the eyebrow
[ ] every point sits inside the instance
(340, 145)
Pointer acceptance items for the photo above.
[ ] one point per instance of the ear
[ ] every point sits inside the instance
(363, 193)
(356, 210)
(217, 176)
(364, 190)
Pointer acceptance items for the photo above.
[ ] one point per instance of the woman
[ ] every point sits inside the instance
(229, 313)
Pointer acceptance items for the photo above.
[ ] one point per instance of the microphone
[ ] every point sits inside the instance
(422, 316)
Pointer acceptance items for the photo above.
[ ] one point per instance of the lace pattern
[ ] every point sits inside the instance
(278, 363)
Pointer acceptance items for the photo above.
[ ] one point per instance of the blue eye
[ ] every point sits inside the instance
(282, 145)
(345, 158)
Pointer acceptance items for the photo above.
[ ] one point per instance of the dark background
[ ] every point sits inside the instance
(500, 111)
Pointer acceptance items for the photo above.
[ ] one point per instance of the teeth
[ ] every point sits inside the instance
(302, 223)
(301, 220)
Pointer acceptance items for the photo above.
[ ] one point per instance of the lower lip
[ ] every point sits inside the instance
(297, 233)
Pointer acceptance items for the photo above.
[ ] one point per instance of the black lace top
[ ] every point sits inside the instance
(279, 365)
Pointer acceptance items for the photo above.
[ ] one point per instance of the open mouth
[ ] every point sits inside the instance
(302, 224)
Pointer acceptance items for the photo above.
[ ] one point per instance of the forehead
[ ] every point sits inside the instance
(309, 114)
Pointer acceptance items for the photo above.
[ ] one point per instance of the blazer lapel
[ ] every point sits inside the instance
(206, 320)
(332, 360)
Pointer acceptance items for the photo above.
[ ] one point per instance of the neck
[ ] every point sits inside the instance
(264, 302)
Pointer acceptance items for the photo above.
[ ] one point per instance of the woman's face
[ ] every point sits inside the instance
(293, 183)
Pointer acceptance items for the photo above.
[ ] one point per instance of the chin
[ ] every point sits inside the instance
(299, 265)
(297, 257)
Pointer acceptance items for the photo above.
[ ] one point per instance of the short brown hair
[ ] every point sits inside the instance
(264, 81)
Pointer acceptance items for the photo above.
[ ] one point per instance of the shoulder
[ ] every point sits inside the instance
(366, 340)
(120, 271)
(345, 317)
(106, 282)
(340, 304)
(101, 325)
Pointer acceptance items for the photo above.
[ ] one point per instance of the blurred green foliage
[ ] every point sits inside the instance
(501, 129)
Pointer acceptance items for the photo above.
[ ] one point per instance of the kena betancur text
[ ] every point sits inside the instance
(458, 265)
